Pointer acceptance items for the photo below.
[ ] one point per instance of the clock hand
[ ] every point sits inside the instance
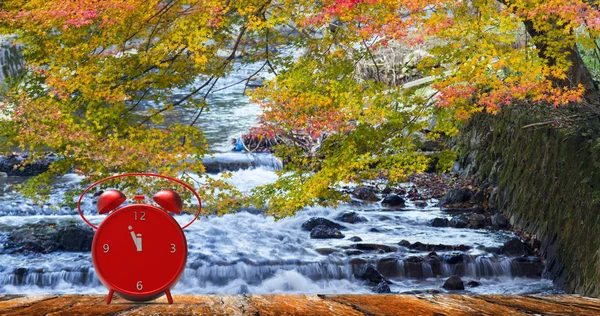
(136, 240)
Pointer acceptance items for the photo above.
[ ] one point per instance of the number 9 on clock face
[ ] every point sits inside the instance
(139, 251)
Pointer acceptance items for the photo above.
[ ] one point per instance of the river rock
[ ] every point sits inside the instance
(8, 163)
(499, 221)
(455, 196)
(439, 247)
(323, 232)
(454, 283)
(529, 267)
(353, 252)
(478, 209)
(413, 267)
(404, 243)
(355, 239)
(477, 221)
(421, 204)
(320, 221)
(46, 237)
(455, 257)
(393, 200)
(351, 217)
(374, 247)
(365, 194)
(435, 262)
(382, 287)
(440, 222)
(478, 197)
(76, 238)
(369, 273)
(389, 267)
(515, 247)
(326, 251)
(473, 283)
(459, 221)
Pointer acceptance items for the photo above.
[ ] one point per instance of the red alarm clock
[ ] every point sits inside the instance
(139, 251)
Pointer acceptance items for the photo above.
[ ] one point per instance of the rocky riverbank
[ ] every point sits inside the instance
(305, 305)
(546, 180)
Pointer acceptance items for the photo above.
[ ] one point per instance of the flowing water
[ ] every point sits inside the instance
(253, 253)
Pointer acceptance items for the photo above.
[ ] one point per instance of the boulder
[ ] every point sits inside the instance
(454, 283)
(529, 267)
(515, 247)
(459, 221)
(355, 239)
(33, 168)
(499, 221)
(320, 221)
(440, 222)
(404, 243)
(478, 197)
(365, 194)
(351, 217)
(435, 262)
(353, 252)
(473, 283)
(477, 221)
(374, 247)
(382, 287)
(76, 238)
(439, 247)
(389, 267)
(455, 257)
(393, 200)
(478, 209)
(323, 232)
(46, 237)
(456, 196)
(326, 251)
(369, 273)
(413, 267)
(421, 204)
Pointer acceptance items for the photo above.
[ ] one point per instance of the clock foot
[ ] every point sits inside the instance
(109, 297)
(169, 298)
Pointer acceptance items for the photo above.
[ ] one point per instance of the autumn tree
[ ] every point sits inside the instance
(93, 67)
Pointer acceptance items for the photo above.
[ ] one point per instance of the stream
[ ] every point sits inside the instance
(252, 253)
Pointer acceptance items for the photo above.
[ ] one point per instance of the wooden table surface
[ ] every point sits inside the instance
(376, 304)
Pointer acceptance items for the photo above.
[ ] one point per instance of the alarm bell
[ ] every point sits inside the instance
(167, 199)
(109, 200)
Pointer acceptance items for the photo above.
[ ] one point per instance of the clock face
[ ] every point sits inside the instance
(139, 251)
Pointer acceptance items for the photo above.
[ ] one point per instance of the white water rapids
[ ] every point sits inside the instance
(253, 253)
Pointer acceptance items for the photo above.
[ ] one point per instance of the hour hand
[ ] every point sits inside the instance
(137, 239)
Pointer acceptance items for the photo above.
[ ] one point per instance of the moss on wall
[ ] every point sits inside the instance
(548, 182)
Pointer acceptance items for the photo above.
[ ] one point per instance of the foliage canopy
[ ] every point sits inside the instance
(95, 66)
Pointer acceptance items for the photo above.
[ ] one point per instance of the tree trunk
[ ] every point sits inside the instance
(577, 74)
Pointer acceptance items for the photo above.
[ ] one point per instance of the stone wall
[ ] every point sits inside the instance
(547, 181)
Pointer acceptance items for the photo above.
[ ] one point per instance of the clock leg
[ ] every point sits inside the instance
(169, 298)
(110, 295)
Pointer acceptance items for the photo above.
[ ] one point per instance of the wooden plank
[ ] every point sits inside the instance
(292, 304)
(537, 306)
